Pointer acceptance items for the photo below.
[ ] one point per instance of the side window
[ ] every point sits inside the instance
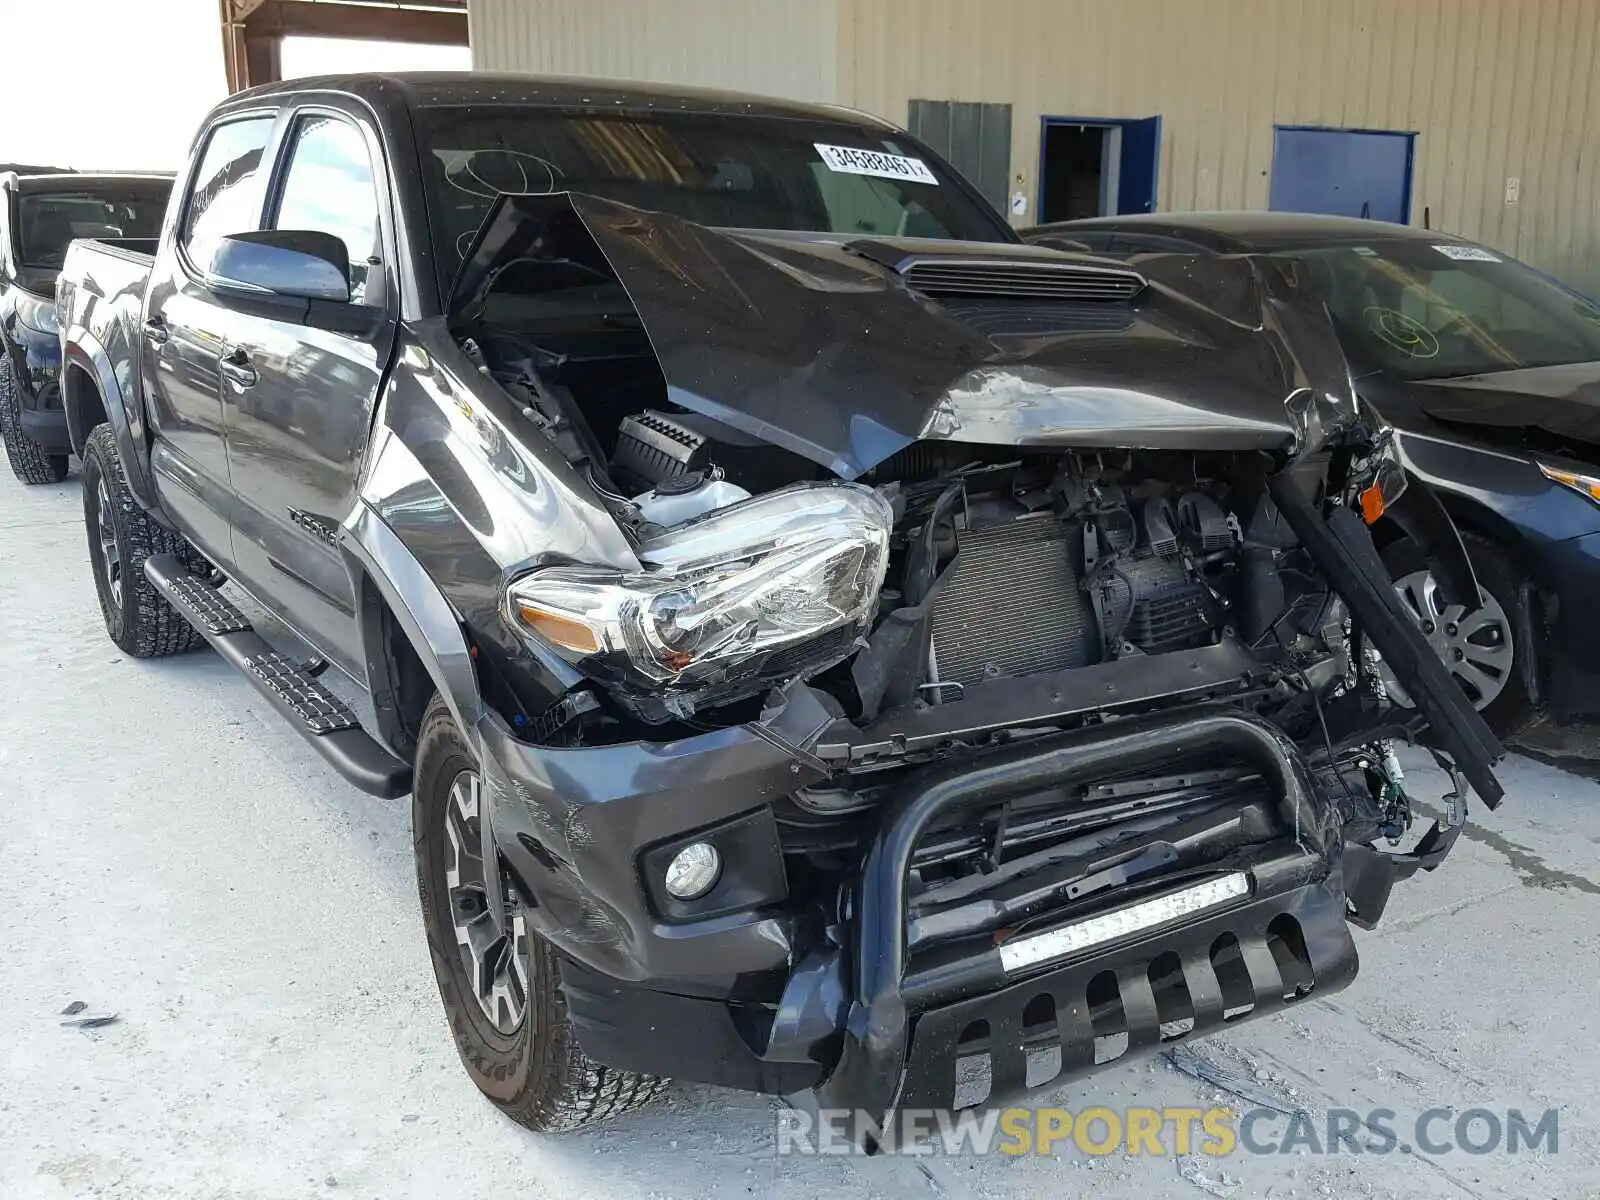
(329, 187)
(226, 195)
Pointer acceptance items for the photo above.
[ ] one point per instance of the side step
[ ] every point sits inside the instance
(321, 717)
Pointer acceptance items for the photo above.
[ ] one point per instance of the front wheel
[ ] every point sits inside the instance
(501, 992)
(1481, 649)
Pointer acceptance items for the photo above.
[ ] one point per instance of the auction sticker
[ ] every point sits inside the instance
(1467, 253)
(848, 160)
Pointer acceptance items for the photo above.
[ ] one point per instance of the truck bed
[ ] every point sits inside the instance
(100, 307)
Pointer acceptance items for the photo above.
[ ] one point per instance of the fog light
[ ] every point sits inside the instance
(693, 871)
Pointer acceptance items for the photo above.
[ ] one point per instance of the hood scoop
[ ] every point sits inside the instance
(998, 279)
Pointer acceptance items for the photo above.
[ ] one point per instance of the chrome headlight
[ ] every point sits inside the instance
(761, 591)
(37, 314)
(1589, 485)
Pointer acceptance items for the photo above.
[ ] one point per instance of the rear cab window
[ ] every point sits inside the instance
(48, 221)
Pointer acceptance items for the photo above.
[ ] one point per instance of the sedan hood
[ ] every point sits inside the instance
(847, 350)
(1538, 409)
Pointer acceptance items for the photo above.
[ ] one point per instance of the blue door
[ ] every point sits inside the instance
(1141, 160)
(1345, 172)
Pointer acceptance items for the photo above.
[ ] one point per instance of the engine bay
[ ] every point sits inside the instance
(1004, 564)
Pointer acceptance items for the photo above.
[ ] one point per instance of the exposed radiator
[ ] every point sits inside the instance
(1010, 604)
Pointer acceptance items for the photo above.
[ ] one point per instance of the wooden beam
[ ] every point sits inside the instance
(298, 18)
(233, 50)
(263, 58)
(243, 8)
(253, 31)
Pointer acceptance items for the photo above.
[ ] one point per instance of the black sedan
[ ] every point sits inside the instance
(1491, 371)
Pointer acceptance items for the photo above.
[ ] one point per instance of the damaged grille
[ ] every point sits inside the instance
(1010, 604)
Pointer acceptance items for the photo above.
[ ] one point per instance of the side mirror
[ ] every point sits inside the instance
(301, 263)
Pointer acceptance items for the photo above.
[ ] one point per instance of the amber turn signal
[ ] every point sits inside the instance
(564, 631)
(1373, 504)
(1589, 485)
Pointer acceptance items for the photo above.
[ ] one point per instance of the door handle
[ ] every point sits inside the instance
(156, 331)
(236, 366)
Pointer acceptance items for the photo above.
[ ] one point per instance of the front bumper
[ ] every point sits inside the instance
(834, 1003)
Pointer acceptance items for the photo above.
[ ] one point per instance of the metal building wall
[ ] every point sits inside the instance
(774, 47)
(1495, 89)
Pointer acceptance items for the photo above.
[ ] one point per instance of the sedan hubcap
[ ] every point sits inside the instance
(1477, 649)
(108, 544)
(496, 961)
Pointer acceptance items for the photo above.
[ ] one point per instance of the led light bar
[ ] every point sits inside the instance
(1019, 953)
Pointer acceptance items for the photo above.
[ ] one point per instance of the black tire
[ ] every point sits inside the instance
(29, 462)
(140, 621)
(1513, 710)
(536, 1074)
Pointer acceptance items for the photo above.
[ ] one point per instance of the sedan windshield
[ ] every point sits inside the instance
(1436, 311)
(48, 221)
(739, 172)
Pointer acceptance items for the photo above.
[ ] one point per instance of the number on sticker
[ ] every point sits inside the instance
(850, 160)
(1467, 253)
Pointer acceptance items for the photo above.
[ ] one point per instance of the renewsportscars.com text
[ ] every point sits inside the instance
(1217, 1132)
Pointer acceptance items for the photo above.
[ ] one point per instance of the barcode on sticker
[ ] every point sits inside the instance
(1467, 253)
(848, 160)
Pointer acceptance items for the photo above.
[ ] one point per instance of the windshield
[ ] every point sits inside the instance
(47, 221)
(1426, 311)
(736, 172)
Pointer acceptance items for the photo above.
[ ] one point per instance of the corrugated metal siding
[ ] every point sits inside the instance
(774, 47)
(1493, 88)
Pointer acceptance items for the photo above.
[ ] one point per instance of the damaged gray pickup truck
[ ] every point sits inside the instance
(825, 640)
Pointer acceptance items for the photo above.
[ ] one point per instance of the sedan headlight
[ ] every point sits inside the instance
(1589, 485)
(764, 590)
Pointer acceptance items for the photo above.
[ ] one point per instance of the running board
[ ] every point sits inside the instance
(321, 718)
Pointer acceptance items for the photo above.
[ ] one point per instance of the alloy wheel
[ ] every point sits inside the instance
(108, 544)
(1476, 649)
(496, 962)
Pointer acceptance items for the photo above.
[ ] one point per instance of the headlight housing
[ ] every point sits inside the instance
(37, 314)
(1589, 485)
(762, 591)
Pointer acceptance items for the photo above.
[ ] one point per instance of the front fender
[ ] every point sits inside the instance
(377, 558)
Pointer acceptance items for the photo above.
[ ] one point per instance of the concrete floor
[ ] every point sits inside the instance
(174, 855)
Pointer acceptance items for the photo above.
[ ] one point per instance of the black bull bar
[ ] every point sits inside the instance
(897, 1030)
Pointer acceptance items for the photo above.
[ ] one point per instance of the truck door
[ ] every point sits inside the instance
(181, 343)
(299, 395)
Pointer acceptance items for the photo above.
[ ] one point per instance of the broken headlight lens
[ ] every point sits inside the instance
(725, 601)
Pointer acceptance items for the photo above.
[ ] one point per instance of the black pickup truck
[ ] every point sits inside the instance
(41, 211)
(823, 637)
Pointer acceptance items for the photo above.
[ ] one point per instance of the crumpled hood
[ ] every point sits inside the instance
(819, 344)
